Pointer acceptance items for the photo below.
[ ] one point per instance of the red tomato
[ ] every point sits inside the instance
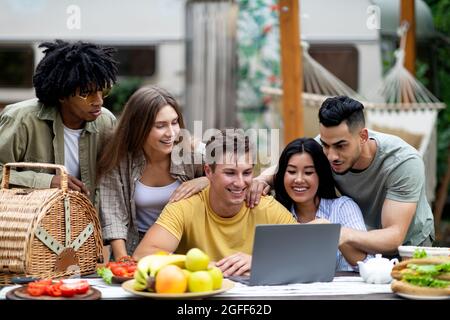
(39, 287)
(36, 290)
(119, 271)
(67, 290)
(82, 287)
(131, 268)
(54, 290)
(44, 283)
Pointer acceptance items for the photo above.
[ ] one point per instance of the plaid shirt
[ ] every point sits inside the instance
(117, 206)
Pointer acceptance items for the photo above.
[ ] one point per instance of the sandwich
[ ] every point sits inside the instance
(428, 276)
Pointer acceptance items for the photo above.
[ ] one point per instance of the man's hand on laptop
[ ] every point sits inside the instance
(235, 265)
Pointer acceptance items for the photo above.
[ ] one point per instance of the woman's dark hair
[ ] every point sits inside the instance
(322, 166)
(334, 110)
(136, 121)
(69, 66)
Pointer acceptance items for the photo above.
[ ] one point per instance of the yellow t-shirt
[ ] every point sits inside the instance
(195, 224)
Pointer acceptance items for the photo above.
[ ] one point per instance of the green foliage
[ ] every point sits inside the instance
(120, 94)
(441, 18)
(421, 72)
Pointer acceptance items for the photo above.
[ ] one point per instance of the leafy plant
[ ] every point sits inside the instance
(120, 94)
(441, 17)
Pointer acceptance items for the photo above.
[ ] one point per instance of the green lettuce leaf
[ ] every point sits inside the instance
(106, 274)
(430, 269)
(425, 281)
(419, 253)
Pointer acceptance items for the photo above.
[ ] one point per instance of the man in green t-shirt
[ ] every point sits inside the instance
(383, 174)
(66, 124)
(217, 220)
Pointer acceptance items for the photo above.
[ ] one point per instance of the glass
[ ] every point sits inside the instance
(89, 96)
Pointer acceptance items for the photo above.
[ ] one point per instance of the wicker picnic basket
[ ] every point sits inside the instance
(46, 232)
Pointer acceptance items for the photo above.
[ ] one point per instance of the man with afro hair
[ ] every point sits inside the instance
(66, 124)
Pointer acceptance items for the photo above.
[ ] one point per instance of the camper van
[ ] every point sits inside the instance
(148, 36)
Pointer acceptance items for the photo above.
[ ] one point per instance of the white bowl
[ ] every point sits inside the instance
(406, 252)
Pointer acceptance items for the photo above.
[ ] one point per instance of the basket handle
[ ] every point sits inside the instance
(7, 169)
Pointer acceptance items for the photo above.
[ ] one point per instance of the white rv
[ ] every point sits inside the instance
(149, 36)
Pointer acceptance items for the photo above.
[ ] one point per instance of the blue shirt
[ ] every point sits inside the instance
(345, 211)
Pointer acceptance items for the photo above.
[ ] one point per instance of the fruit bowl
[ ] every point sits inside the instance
(226, 285)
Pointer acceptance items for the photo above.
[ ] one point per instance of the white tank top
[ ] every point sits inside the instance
(150, 201)
(71, 153)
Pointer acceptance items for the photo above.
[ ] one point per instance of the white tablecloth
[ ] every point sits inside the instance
(339, 286)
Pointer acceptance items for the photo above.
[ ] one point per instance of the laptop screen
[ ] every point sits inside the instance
(294, 253)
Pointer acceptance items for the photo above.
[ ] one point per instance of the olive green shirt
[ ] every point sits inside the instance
(396, 173)
(33, 132)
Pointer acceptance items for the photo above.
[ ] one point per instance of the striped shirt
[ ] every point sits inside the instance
(345, 211)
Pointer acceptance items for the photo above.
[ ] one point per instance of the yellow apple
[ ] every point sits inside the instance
(200, 281)
(217, 277)
(196, 260)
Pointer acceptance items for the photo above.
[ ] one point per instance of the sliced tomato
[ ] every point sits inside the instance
(78, 287)
(36, 291)
(82, 287)
(38, 283)
(39, 287)
(54, 290)
(67, 290)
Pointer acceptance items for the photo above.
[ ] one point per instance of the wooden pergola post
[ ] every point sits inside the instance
(407, 13)
(291, 69)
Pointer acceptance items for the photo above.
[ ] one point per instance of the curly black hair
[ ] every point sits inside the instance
(67, 67)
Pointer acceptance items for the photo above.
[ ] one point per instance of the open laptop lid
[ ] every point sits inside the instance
(294, 253)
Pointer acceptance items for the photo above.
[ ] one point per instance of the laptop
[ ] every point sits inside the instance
(293, 253)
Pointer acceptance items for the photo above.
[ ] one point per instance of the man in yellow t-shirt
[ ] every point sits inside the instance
(217, 220)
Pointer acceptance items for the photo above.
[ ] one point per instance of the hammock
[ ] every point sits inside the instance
(399, 90)
(318, 84)
(407, 109)
(404, 107)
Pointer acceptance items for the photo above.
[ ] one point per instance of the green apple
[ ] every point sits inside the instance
(217, 277)
(196, 260)
(200, 281)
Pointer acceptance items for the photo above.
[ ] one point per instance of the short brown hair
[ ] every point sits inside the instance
(226, 141)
